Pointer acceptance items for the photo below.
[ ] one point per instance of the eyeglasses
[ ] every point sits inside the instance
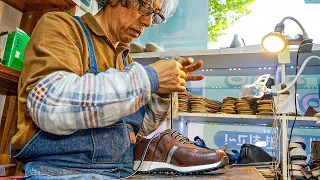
(145, 9)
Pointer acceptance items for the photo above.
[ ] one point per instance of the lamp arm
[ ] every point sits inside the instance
(297, 76)
(305, 35)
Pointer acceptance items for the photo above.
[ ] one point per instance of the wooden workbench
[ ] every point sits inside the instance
(222, 174)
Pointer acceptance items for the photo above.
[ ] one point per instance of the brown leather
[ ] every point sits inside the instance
(186, 154)
(194, 157)
(220, 153)
(310, 112)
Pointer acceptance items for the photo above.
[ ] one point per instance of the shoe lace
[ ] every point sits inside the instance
(176, 134)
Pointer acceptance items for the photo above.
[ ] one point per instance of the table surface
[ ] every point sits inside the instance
(221, 174)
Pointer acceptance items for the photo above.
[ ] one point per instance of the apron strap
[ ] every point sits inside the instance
(124, 60)
(92, 58)
(93, 62)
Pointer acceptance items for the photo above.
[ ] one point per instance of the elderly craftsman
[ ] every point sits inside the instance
(82, 99)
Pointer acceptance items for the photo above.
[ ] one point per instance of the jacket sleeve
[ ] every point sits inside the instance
(157, 111)
(62, 102)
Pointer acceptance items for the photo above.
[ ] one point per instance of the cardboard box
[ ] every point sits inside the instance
(14, 52)
(3, 41)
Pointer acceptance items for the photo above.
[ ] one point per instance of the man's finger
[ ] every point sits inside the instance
(181, 89)
(194, 68)
(195, 78)
(179, 65)
(189, 61)
(182, 81)
(182, 74)
(181, 60)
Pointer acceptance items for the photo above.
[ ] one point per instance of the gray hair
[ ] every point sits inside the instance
(114, 3)
(168, 7)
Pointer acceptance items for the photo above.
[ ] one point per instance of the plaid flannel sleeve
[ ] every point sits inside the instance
(158, 110)
(62, 102)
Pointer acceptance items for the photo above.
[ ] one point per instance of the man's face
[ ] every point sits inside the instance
(130, 24)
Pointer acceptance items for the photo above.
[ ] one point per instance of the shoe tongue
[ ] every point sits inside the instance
(172, 132)
(178, 135)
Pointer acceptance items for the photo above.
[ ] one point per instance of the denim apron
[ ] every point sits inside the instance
(101, 153)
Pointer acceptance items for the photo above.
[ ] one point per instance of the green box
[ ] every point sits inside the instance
(14, 52)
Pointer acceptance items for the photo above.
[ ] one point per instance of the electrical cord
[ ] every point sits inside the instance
(295, 97)
(243, 42)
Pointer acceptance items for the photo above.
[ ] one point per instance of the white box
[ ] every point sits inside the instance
(3, 42)
(284, 103)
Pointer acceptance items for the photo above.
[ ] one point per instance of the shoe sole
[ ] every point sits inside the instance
(294, 167)
(150, 166)
(299, 162)
(297, 174)
(298, 157)
(298, 154)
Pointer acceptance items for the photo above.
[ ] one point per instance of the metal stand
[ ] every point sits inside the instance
(284, 133)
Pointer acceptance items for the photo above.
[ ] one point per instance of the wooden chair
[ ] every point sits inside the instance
(8, 86)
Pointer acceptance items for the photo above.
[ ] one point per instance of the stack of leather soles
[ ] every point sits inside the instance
(247, 106)
(228, 105)
(243, 107)
(200, 104)
(183, 99)
(265, 107)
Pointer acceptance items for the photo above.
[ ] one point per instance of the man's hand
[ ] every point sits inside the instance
(171, 76)
(188, 68)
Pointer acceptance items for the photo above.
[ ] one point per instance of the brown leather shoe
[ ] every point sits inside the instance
(171, 151)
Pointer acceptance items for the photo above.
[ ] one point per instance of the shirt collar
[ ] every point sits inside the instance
(93, 24)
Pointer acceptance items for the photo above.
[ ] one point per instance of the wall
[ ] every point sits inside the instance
(9, 20)
(178, 32)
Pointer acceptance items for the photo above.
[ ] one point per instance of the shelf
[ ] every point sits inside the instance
(248, 59)
(217, 58)
(9, 79)
(244, 119)
(243, 50)
(305, 121)
(257, 49)
(38, 5)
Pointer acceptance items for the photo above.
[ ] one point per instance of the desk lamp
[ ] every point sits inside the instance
(277, 42)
